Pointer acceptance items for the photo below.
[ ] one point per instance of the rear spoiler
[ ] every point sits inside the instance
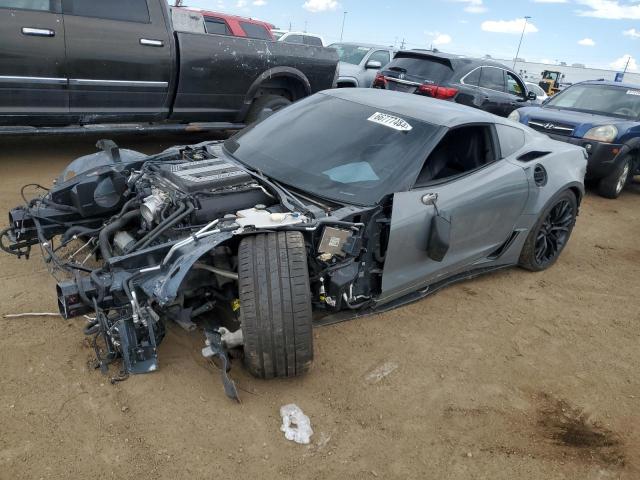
(425, 54)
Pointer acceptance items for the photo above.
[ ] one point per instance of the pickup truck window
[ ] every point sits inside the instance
(216, 25)
(315, 41)
(45, 5)
(255, 31)
(124, 10)
(294, 39)
(381, 56)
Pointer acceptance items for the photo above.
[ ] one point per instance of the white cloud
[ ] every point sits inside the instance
(632, 32)
(620, 63)
(315, 6)
(550, 1)
(610, 9)
(473, 6)
(508, 26)
(587, 42)
(241, 3)
(259, 3)
(438, 39)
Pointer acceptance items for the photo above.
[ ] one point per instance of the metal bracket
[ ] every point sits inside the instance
(214, 348)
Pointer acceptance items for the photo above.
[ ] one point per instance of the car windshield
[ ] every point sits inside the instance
(350, 53)
(336, 149)
(610, 100)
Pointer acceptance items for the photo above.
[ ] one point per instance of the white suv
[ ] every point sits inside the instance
(298, 37)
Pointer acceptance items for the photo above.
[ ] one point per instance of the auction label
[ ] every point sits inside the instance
(390, 121)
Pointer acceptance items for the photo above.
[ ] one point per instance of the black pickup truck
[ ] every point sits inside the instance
(76, 65)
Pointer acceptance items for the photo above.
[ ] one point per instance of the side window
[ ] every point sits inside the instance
(473, 78)
(216, 25)
(294, 39)
(381, 56)
(43, 5)
(511, 139)
(255, 31)
(462, 150)
(514, 85)
(492, 78)
(315, 41)
(124, 10)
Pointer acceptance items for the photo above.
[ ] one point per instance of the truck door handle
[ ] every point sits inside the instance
(151, 43)
(38, 32)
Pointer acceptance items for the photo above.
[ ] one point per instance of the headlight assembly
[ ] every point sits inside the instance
(515, 116)
(603, 133)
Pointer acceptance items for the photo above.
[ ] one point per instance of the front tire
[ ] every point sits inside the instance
(612, 185)
(550, 234)
(275, 304)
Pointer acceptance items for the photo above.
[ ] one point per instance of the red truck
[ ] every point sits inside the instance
(233, 25)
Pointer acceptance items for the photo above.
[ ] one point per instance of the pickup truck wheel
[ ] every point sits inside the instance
(612, 185)
(275, 304)
(264, 106)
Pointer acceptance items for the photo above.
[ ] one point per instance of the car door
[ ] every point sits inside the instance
(119, 59)
(382, 56)
(493, 90)
(482, 207)
(33, 79)
(517, 92)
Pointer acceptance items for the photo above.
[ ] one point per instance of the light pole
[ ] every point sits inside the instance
(344, 17)
(520, 44)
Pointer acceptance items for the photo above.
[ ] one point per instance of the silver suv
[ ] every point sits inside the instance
(360, 62)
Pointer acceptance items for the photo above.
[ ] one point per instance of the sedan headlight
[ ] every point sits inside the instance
(603, 133)
(515, 116)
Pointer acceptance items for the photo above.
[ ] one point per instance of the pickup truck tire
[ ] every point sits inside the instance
(275, 304)
(612, 185)
(264, 106)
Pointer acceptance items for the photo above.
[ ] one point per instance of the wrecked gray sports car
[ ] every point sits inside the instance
(349, 202)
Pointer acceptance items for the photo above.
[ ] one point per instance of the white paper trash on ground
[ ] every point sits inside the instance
(295, 424)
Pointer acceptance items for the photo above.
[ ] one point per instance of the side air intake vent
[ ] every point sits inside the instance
(539, 175)
(529, 156)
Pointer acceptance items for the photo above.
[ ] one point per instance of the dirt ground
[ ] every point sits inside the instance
(511, 376)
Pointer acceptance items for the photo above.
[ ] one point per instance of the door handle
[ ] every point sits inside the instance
(151, 43)
(38, 32)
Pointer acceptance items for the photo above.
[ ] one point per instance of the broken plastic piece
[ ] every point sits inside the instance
(295, 424)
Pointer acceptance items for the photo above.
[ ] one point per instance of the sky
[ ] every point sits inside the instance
(597, 33)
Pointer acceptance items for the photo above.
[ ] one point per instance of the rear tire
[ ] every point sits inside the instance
(550, 234)
(275, 304)
(264, 106)
(612, 185)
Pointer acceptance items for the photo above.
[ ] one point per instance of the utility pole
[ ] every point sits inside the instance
(305, 27)
(627, 65)
(402, 45)
(344, 18)
(290, 26)
(520, 44)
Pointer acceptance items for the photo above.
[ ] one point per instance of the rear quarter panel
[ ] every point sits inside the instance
(217, 71)
(565, 165)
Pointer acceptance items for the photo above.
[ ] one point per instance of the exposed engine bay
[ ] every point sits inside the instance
(138, 241)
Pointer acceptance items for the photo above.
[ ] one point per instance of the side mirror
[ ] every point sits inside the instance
(373, 65)
(531, 95)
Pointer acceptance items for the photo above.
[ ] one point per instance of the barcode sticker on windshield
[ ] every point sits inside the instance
(390, 121)
(633, 92)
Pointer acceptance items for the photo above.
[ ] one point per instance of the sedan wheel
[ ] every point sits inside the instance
(550, 234)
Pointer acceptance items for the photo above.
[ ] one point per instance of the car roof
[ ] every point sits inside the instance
(227, 16)
(430, 110)
(457, 61)
(366, 45)
(634, 86)
(292, 32)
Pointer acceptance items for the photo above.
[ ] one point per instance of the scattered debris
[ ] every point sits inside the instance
(295, 424)
(381, 372)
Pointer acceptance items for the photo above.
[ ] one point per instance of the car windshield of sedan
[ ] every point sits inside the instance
(336, 149)
(610, 100)
(352, 54)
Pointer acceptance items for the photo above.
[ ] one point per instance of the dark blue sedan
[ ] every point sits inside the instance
(601, 116)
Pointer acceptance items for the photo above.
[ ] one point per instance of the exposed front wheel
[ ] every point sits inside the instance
(275, 304)
(264, 106)
(612, 185)
(550, 234)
